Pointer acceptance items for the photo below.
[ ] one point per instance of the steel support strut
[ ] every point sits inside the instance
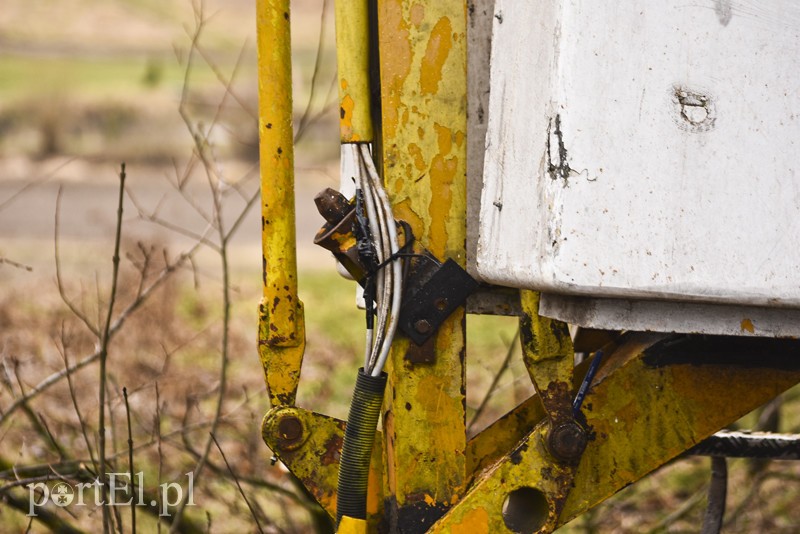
(422, 61)
(281, 330)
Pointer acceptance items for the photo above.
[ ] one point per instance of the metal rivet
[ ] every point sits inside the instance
(422, 326)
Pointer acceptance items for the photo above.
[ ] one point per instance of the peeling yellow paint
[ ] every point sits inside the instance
(423, 82)
(747, 325)
(443, 172)
(475, 520)
(352, 61)
(417, 14)
(416, 153)
(346, 120)
(460, 137)
(444, 139)
(394, 72)
(436, 54)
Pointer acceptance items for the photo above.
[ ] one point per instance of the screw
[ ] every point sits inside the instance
(290, 429)
(423, 326)
(567, 441)
(440, 303)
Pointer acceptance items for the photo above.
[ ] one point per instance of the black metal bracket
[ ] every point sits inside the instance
(433, 290)
(426, 308)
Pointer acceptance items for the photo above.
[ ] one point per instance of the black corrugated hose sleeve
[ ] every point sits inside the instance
(359, 437)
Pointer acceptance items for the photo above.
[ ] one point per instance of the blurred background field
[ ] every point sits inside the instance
(86, 85)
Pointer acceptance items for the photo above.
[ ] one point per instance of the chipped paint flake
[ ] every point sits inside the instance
(436, 54)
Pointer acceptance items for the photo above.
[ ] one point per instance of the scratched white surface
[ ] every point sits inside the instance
(673, 173)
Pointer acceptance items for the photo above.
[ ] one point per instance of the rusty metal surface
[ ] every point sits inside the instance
(281, 329)
(654, 398)
(423, 152)
(310, 445)
(352, 41)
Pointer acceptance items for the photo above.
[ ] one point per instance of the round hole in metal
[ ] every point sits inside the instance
(525, 510)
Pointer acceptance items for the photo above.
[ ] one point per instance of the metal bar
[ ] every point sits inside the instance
(281, 325)
(649, 403)
(352, 57)
(717, 495)
(422, 49)
(736, 444)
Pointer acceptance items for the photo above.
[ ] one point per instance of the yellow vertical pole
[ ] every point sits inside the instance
(423, 99)
(352, 44)
(281, 324)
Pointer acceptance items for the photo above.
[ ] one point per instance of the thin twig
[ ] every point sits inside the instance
(158, 436)
(61, 291)
(15, 264)
(130, 457)
(118, 323)
(30, 184)
(236, 479)
(104, 342)
(495, 381)
(685, 508)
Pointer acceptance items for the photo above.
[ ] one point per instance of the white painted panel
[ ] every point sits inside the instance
(680, 317)
(645, 149)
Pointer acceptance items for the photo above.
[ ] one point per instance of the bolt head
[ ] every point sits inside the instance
(290, 429)
(567, 441)
(423, 326)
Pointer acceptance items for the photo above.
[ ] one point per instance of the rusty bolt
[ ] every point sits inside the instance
(332, 205)
(290, 429)
(423, 326)
(567, 441)
(440, 303)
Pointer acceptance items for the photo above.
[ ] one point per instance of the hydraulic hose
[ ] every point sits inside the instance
(359, 437)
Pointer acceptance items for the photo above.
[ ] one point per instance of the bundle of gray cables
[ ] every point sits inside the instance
(389, 278)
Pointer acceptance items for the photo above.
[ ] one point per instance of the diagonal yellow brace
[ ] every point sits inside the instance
(655, 397)
(281, 333)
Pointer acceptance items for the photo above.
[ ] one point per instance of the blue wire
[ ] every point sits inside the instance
(587, 381)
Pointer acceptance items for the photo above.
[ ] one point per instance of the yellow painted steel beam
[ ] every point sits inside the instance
(352, 57)
(423, 139)
(654, 398)
(496, 440)
(310, 445)
(281, 334)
